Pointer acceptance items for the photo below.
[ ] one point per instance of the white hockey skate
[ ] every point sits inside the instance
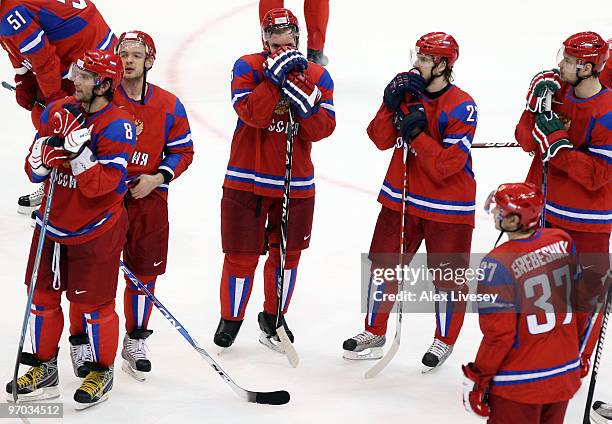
(363, 346)
(30, 202)
(601, 413)
(134, 353)
(81, 354)
(435, 356)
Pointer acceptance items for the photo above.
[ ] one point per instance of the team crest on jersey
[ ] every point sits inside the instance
(139, 126)
(282, 107)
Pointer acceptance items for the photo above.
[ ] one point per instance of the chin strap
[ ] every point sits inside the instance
(144, 87)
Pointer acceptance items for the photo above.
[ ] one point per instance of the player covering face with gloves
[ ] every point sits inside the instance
(267, 87)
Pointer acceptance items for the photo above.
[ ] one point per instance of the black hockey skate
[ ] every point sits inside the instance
(317, 56)
(95, 387)
(80, 353)
(435, 356)
(134, 353)
(601, 413)
(268, 337)
(226, 332)
(38, 383)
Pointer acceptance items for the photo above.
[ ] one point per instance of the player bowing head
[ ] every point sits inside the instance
(95, 75)
(582, 56)
(434, 55)
(517, 207)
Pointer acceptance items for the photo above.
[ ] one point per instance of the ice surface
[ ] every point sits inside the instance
(502, 45)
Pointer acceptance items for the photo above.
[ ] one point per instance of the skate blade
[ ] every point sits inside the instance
(426, 369)
(135, 374)
(26, 210)
(364, 355)
(269, 343)
(221, 350)
(36, 395)
(82, 406)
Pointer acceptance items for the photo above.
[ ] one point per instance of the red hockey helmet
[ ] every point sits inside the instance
(279, 19)
(587, 47)
(522, 199)
(103, 64)
(439, 45)
(141, 37)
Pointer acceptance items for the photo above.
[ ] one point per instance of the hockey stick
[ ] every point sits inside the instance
(548, 109)
(491, 144)
(12, 88)
(380, 365)
(279, 397)
(284, 342)
(600, 342)
(33, 278)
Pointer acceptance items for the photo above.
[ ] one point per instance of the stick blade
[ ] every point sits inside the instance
(382, 364)
(280, 397)
(286, 345)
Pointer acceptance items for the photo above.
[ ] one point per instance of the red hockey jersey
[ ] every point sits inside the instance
(441, 184)
(163, 135)
(579, 190)
(259, 144)
(46, 36)
(88, 197)
(530, 347)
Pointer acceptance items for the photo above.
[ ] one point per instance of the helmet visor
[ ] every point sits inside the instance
(78, 73)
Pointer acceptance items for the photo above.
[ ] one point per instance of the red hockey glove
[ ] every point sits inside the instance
(53, 156)
(283, 60)
(549, 132)
(26, 90)
(67, 125)
(474, 392)
(541, 84)
(35, 157)
(302, 93)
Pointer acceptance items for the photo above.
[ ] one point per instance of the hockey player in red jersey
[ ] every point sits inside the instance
(527, 367)
(164, 150)
(576, 141)
(437, 120)
(42, 39)
(265, 87)
(89, 141)
(316, 13)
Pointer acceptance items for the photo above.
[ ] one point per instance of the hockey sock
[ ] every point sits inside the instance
(449, 314)
(136, 305)
(377, 312)
(271, 274)
(236, 284)
(316, 13)
(46, 324)
(102, 327)
(266, 5)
